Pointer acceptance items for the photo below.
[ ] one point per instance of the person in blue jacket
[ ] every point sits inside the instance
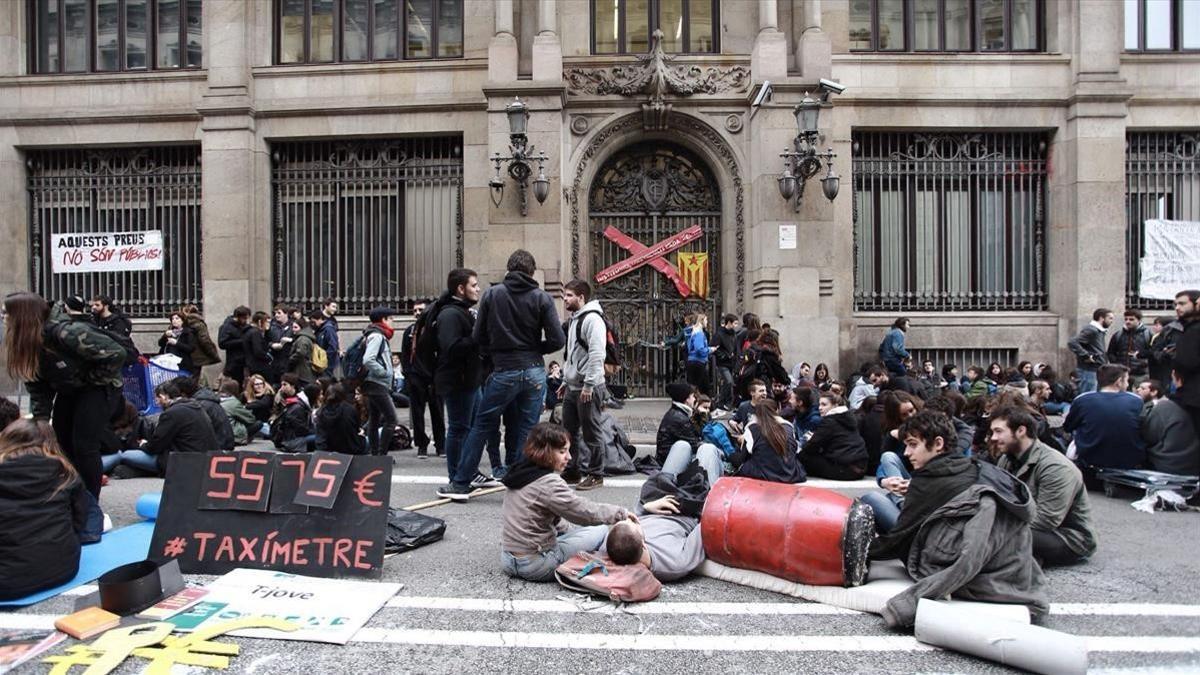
(697, 355)
(891, 350)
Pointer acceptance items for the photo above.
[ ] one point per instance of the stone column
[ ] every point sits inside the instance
(547, 50)
(813, 49)
(768, 60)
(1086, 226)
(235, 230)
(503, 50)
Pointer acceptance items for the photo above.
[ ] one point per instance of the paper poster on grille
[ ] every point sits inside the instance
(1170, 263)
(693, 267)
(106, 252)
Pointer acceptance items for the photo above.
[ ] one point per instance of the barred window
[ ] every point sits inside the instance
(949, 221)
(119, 190)
(1162, 25)
(346, 31)
(947, 25)
(1162, 180)
(79, 36)
(626, 26)
(371, 222)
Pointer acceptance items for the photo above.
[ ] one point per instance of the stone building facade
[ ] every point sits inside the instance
(984, 185)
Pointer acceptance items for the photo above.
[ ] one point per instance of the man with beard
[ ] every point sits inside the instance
(1062, 528)
(1187, 355)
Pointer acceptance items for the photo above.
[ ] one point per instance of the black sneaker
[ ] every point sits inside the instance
(122, 471)
(422, 453)
(483, 480)
(571, 477)
(458, 493)
(590, 483)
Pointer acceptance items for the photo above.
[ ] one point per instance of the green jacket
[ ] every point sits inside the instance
(75, 354)
(240, 418)
(1058, 492)
(300, 361)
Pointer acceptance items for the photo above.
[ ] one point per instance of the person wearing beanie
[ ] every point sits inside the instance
(377, 359)
(676, 424)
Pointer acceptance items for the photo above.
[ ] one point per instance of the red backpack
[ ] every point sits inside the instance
(597, 575)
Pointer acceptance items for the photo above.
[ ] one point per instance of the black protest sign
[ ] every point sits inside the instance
(343, 541)
(236, 480)
(323, 479)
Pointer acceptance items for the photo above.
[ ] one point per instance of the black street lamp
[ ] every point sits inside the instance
(802, 161)
(520, 154)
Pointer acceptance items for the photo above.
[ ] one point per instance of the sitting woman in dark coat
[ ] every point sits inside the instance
(769, 448)
(836, 450)
(338, 428)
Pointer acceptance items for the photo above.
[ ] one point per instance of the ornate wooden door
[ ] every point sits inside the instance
(647, 193)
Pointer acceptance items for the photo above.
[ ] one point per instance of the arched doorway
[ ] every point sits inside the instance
(646, 193)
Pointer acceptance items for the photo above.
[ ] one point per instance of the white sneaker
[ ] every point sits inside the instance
(482, 480)
(107, 523)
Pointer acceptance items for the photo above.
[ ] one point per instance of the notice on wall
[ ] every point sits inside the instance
(327, 610)
(1170, 264)
(106, 252)
(320, 514)
(787, 237)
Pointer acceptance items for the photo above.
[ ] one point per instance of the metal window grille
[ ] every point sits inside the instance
(949, 221)
(1162, 180)
(119, 190)
(368, 222)
(964, 357)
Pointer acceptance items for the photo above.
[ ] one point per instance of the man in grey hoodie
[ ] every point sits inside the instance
(582, 391)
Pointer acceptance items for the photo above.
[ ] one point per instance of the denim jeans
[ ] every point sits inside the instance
(887, 505)
(724, 387)
(509, 418)
(460, 415)
(1087, 380)
(527, 389)
(708, 455)
(540, 567)
(138, 459)
(1055, 408)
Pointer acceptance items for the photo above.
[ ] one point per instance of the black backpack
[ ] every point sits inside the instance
(612, 341)
(423, 346)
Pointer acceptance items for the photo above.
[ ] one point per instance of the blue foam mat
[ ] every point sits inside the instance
(117, 547)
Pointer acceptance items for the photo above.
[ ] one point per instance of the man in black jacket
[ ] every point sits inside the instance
(676, 424)
(1130, 347)
(231, 338)
(110, 318)
(1088, 348)
(1164, 334)
(182, 427)
(418, 384)
(727, 352)
(211, 404)
(457, 371)
(516, 326)
(1187, 355)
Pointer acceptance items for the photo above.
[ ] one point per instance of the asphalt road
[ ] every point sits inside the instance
(434, 626)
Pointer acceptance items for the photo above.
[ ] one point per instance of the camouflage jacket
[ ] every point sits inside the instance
(75, 354)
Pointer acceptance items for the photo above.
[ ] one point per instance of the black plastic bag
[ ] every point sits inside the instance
(407, 530)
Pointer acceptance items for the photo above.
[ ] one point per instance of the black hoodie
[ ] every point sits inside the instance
(513, 317)
(837, 439)
(338, 430)
(458, 364)
(39, 542)
(217, 417)
(523, 473)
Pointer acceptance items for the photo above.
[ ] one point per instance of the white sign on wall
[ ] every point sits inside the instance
(1171, 263)
(787, 237)
(106, 252)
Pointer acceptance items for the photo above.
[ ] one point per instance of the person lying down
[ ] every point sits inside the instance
(663, 539)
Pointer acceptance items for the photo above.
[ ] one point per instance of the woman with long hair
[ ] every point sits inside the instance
(259, 397)
(769, 447)
(821, 377)
(72, 371)
(180, 341)
(698, 352)
(45, 511)
(770, 362)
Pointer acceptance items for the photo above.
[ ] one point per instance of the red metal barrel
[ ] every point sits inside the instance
(802, 534)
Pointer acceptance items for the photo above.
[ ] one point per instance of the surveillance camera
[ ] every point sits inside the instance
(832, 87)
(763, 95)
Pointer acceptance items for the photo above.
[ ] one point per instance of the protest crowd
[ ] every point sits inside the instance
(994, 461)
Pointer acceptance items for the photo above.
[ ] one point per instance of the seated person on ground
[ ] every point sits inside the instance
(211, 404)
(807, 412)
(1105, 423)
(243, 422)
(677, 425)
(534, 538)
(292, 429)
(1062, 528)
(260, 400)
(668, 544)
(951, 404)
(893, 475)
(769, 448)
(836, 450)
(964, 530)
(338, 428)
(182, 427)
(1172, 444)
(9, 412)
(45, 510)
(758, 392)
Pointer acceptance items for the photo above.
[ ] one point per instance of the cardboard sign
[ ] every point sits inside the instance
(321, 483)
(327, 610)
(106, 252)
(261, 526)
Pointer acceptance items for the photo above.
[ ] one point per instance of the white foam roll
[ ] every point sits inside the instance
(1012, 643)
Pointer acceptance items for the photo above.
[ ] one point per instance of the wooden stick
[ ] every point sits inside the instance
(440, 502)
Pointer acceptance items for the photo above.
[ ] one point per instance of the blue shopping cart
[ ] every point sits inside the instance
(141, 378)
